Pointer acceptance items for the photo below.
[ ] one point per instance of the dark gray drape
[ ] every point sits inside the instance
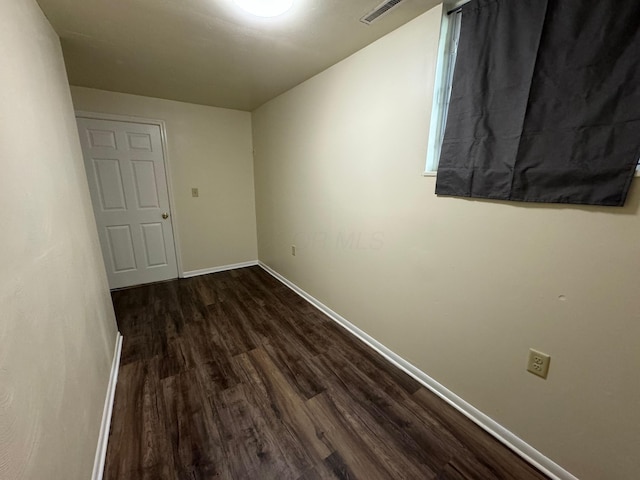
(545, 102)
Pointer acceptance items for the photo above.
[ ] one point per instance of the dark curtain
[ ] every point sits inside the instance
(545, 102)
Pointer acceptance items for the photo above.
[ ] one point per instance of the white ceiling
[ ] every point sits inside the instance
(209, 51)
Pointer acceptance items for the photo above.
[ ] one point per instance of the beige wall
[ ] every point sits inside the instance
(209, 148)
(460, 288)
(57, 328)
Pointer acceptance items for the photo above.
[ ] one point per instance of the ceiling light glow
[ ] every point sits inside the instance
(265, 8)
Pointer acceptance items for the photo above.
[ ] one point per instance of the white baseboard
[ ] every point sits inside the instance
(223, 268)
(519, 446)
(103, 439)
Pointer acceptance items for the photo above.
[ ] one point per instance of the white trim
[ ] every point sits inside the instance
(442, 82)
(526, 451)
(223, 268)
(167, 168)
(103, 439)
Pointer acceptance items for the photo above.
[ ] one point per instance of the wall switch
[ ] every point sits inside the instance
(293, 250)
(538, 363)
(194, 192)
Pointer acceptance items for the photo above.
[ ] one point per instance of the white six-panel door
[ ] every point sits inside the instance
(127, 179)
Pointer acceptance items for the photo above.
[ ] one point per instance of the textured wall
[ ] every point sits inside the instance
(460, 288)
(209, 148)
(57, 328)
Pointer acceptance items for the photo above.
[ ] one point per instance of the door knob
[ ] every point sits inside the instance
(165, 215)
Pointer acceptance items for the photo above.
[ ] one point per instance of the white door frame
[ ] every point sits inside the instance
(167, 167)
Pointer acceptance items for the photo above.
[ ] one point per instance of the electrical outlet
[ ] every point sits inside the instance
(194, 192)
(538, 363)
(293, 250)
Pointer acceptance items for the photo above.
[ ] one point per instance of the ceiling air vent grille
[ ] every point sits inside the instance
(380, 10)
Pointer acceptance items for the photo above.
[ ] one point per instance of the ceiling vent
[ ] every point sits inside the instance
(379, 11)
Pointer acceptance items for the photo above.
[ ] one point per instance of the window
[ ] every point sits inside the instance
(543, 105)
(447, 50)
(446, 60)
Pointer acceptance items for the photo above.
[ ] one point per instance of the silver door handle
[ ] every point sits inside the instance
(165, 215)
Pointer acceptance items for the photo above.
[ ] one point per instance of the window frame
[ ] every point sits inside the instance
(447, 51)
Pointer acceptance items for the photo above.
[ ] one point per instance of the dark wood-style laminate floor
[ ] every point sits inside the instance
(234, 376)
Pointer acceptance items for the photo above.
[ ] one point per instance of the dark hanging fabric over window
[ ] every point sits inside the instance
(545, 102)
